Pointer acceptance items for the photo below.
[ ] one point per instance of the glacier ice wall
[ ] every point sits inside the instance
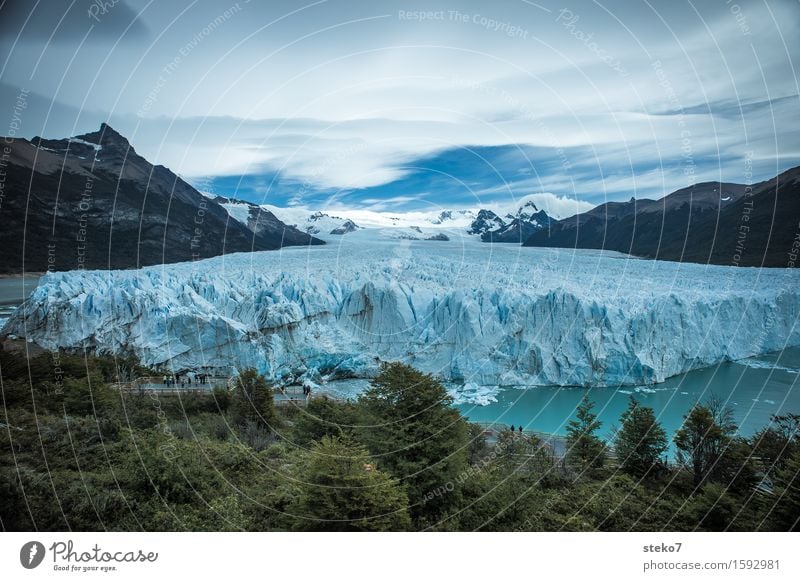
(468, 312)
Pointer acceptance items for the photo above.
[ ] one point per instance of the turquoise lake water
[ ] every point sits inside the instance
(754, 388)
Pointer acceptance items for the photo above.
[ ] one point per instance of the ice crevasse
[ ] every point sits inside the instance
(467, 312)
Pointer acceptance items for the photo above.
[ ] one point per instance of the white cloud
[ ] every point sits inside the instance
(555, 206)
(335, 101)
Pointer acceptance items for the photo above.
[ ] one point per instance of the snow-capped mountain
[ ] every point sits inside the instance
(485, 222)
(528, 212)
(315, 223)
(519, 226)
(515, 225)
(471, 312)
(452, 217)
(346, 227)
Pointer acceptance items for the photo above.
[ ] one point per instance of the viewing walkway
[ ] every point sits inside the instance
(491, 431)
(283, 397)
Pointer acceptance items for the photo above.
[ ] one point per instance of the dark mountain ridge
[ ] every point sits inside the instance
(709, 223)
(92, 202)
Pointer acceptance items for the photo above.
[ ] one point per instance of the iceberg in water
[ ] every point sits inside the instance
(471, 313)
(472, 393)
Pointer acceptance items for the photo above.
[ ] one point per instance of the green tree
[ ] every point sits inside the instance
(324, 416)
(712, 509)
(221, 398)
(776, 442)
(89, 396)
(478, 446)
(703, 438)
(417, 436)
(584, 447)
(736, 469)
(525, 456)
(253, 403)
(640, 440)
(342, 490)
(785, 514)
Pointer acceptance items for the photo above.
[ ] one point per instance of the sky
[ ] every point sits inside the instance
(403, 105)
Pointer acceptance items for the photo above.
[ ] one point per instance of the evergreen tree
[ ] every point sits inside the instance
(640, 440)
(253, 402)
(417, 436)
(342, 490)
(584, 447)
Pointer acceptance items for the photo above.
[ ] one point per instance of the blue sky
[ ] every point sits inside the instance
(470, 177)
(400, 105)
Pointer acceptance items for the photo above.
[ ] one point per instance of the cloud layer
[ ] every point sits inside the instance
(371, 103)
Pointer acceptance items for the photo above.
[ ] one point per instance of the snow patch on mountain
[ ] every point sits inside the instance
(316, 223)
(239, 211)
(96, 146)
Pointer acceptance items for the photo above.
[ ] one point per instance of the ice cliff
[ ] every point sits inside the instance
(466, 311)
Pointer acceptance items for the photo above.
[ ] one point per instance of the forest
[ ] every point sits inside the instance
(78, 453)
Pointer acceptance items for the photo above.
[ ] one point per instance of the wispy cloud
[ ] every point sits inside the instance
(334, 105)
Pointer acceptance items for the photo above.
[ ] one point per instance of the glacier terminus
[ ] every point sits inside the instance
(470, 313)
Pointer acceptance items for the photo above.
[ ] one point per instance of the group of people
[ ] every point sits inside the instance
(306, 390)
(172, 380)
(185, 380)
(520, 428)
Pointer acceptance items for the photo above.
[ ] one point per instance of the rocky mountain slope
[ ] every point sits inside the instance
(710, 223)
(92, 202)
(513, 228)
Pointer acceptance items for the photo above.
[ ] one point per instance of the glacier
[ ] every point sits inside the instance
(473, 314)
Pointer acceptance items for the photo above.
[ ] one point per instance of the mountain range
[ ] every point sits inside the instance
(709, 223)
(517, 227)
(92, 202)
(512, 227)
